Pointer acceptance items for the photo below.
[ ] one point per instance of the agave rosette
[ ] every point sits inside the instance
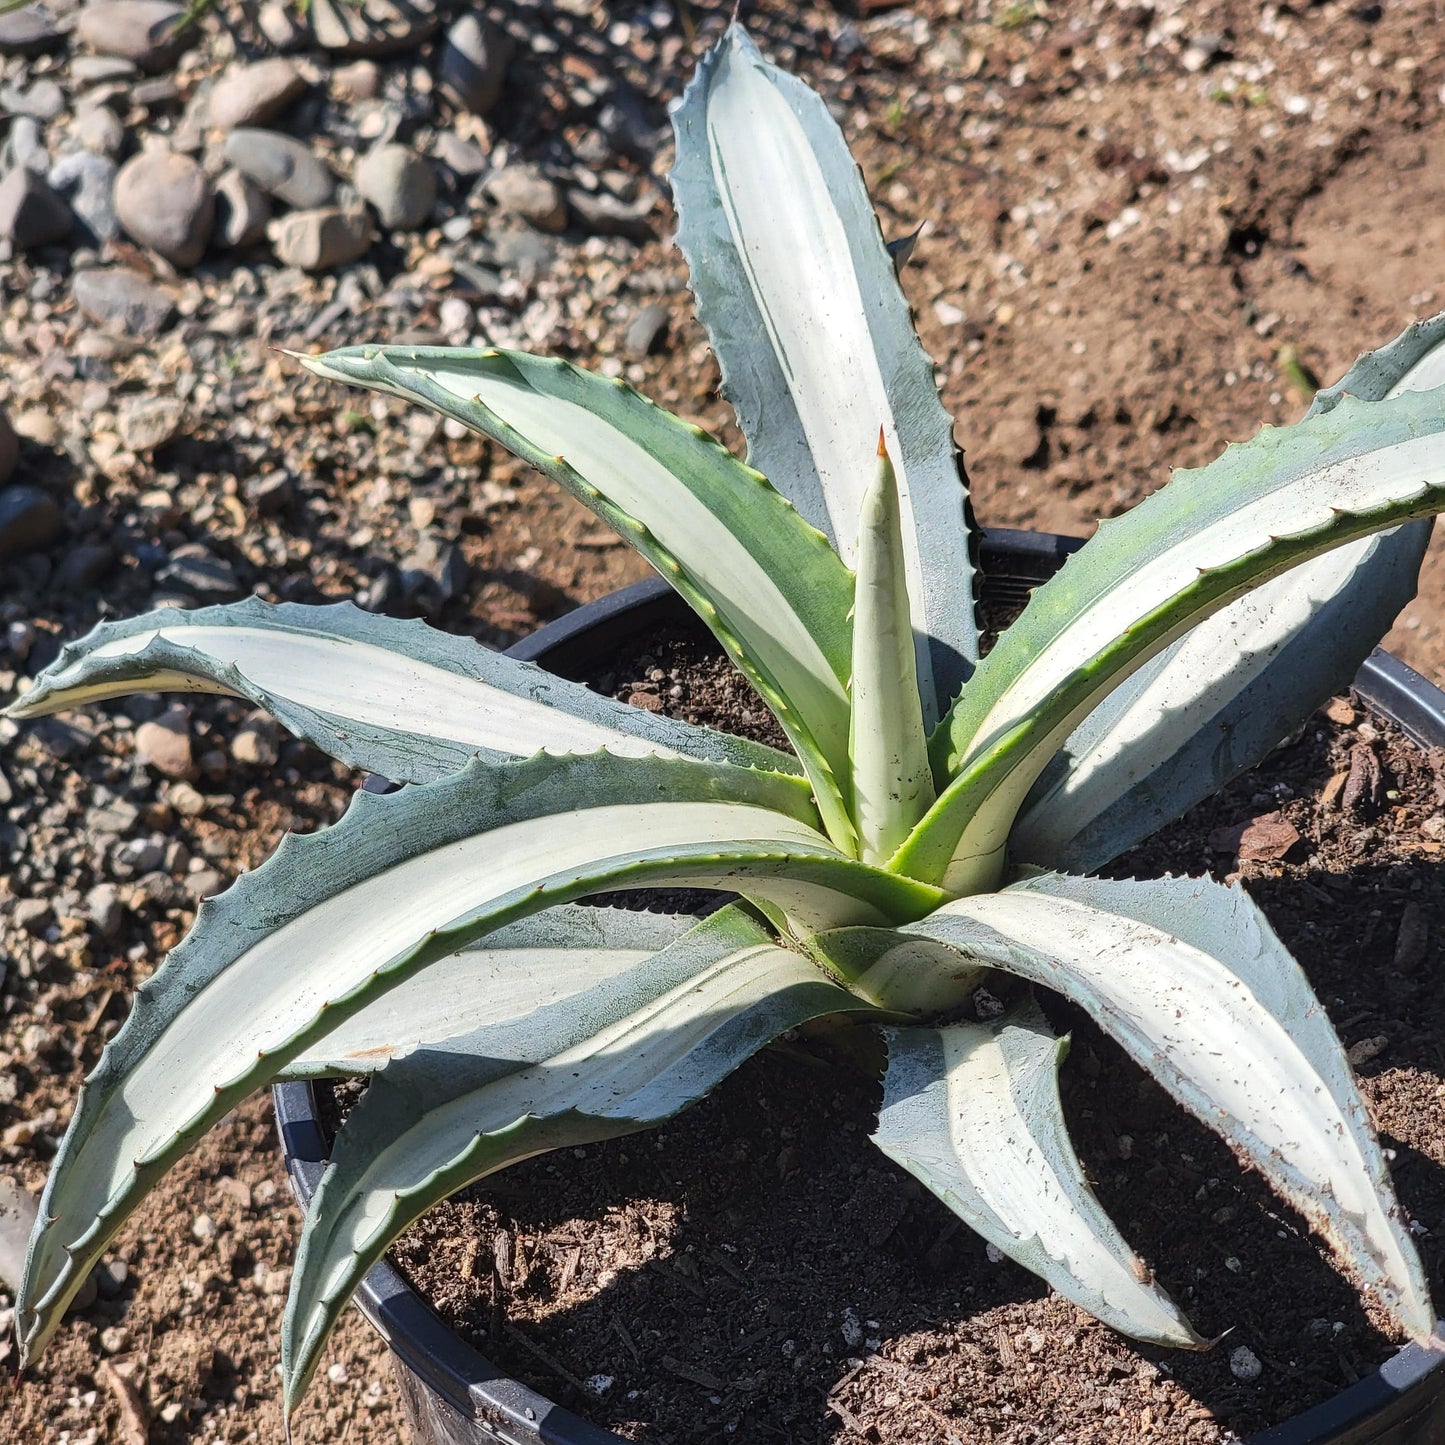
(935, 818)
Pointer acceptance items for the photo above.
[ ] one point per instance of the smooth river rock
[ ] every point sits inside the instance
(122, 300)
(164, 201)
(281, 166)
(243, 211)
(252, 95)
(524, 191)
(400, 186)
(319, 239)
(29, 520)
(31, 214)
(474, 63)
(144, 31)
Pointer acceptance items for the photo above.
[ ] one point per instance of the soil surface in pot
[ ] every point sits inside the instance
(758, 1270)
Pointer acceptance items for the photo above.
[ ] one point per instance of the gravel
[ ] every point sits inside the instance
(271, 481)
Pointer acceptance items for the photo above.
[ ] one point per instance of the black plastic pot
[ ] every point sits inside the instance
(455, 1397)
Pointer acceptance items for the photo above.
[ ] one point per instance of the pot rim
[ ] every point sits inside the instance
(1399, 1392)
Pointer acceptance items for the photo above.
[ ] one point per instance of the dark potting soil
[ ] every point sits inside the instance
(757, 1270)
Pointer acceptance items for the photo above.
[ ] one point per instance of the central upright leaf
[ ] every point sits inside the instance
(801, 300)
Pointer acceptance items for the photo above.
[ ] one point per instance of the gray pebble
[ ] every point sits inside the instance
(31, 30)
(149, 422)
(30, 519)
(518, 248)
(648, 330)
(276, 22)
(205, 883)
(31, 214)
(605, 215)
(319, 239)
(145, 31)
(25, 146)
(243, 211)
(165, 743)
(95, 70)
(33, 916)
(434, 572)
(188, 135)
(257, 742)
(525, 192)
(625, 125)
(84, 566)
(360, 80)
(157, 94)
(282, 167)
(98, 129)
(270, 492)
(164, 201)
(103, 909)
(88, 182)
(474, 63)
(117, 816)
(110, 1277)
(459, 155)
(122, 300)
(399, 185)
(193, 571)
(1244, 1364)
(44, 100)
(18, 1208)
(455, 318)
(252, 95)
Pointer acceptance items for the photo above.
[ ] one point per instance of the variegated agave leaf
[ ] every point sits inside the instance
(397, 698)
(772, 590)
(630, 1052)
(973, 1110)
(1145, 579)
(1190, 979)
(1216, 701)
(523, 968)
(801, 300)
(399, 883)
(891, 781)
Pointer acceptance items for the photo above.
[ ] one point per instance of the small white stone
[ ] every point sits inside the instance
(1244, 1364)
(599, 1385)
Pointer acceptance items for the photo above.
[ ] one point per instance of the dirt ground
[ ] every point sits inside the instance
(1132, 212)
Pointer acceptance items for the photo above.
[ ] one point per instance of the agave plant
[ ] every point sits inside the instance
(934, 824)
